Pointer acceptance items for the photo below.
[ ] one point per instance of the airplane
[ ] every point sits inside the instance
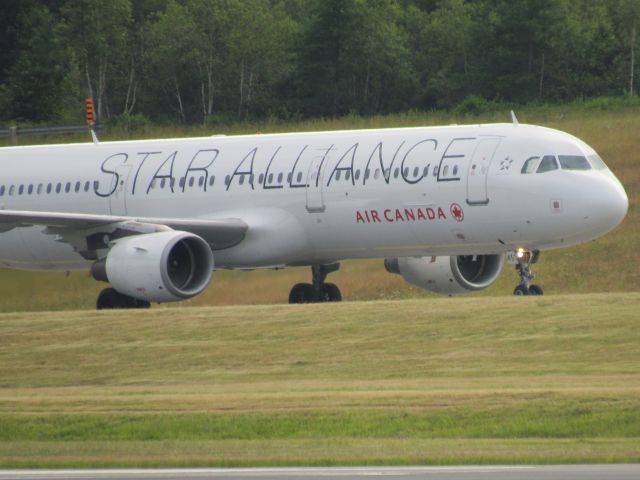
(443, 206)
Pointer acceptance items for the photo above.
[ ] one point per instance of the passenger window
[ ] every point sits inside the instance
(426, 171)
(241, 182)
(530, 165)
(30, 189)
(87, 184)
(416, 171)
(270, 179)
(211, 180)
(396, 173)
(376, 174)
(20, 189)
(338, 174)
(280, 177)
(445, 170)
(67, 187)
(227, 180)
(58, 187)
(261, 178)
(201, 182)
(405, 172)
(1, 190)
(49, 187)
(573, 162)
(547, 164)
(455, 169)
(299, 177)
(357, 175)
(12, 189)
(347, 175)
(289, 178)
(192, 181)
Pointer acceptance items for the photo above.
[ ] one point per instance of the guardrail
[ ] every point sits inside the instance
(13, 132)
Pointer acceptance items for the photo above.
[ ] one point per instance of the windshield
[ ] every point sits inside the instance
(547, 164)
(597, 162)
(574, 162)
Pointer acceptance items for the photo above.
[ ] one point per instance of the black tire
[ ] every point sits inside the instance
(521, 291)
(110, 298)
(301, 293)
(331, 293)
(536, 290)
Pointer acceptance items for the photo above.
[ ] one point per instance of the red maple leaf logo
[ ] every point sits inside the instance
(456, 211)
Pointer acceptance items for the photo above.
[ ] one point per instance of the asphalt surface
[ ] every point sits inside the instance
(559, 472)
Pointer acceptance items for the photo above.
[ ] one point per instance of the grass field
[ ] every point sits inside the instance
(610, 264)
(465, 380)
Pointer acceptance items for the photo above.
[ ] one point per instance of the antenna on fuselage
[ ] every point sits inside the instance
(90, 119)
(514, 120)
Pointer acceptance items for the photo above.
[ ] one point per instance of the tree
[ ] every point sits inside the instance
(39, 83)
(97, 34)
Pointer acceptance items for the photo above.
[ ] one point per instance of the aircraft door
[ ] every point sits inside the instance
(315, 185)
(118, 199)
(479, 170)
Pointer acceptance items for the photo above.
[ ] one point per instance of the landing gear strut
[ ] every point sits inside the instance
(110, 298)
(317, 291)
(523, 266)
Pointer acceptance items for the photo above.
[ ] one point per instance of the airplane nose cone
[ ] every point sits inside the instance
(609, 204)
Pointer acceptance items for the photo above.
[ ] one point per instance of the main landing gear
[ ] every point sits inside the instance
(524, 260)
(318, 291)
(112, 299)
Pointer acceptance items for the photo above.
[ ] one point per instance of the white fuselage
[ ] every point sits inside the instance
(311, 198)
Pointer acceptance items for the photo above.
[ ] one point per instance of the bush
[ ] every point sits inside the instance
(473, 105)
(129, 123)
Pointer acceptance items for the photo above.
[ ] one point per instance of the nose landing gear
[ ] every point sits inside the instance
(524, 260)
(317, 291)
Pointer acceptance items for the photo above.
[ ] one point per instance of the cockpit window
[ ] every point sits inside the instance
(597, 162)
(530, 165)
(547, 164)
(573, 162)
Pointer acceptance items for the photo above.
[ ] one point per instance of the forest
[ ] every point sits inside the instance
(217, 61)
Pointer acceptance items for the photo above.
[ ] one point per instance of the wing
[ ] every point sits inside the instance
(89, 233)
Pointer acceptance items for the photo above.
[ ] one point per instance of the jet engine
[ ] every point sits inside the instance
(157, 267)
(448, 275)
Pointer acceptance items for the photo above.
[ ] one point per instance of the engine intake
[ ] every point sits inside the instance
(449, 275)
(158, 267)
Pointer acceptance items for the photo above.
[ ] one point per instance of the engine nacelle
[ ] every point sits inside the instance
(158, 267)
(449, 275)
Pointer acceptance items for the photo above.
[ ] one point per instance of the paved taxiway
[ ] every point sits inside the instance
(559, 472)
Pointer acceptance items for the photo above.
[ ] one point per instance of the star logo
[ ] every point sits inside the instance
(506, 164)
(456, 211)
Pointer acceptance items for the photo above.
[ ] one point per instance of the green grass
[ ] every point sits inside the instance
(471, 380)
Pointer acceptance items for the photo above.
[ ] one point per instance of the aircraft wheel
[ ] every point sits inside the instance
(301, 293)
(331, 293)
(110, 298)
(535, 290)
(521, 291)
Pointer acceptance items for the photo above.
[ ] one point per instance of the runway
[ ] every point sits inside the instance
(556, 472)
